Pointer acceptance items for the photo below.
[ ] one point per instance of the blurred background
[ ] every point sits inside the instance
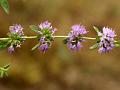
(59, 68)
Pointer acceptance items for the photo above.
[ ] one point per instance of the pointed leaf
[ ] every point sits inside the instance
(4, 70)
(6, 74)
(94, 46)
(7, 66)
(1, 74)
(65, 41)
(4, 43)
(117, 43)
(35, 47)
(5, 5)
(34, 28)
(96, 29)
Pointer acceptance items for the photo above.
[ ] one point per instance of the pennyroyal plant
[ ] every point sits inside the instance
(105, 40)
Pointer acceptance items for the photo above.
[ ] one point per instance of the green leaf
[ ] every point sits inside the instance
(98, 39)
(117, 43)
(96, 29)
(35, 47)
(5, 5)
(1, 74)
(94, 46)
(65, 41)
(3, 44)
(4, 70)
(7, 66)
(34, 28)
(6, 74)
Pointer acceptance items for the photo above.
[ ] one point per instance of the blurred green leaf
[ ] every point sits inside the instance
(34, 28)
(98, 39)
(94, 46)
(4, 70)
(7, 66)
(65, 41)
(117, 43)
(96, 29)
(36, 46)
(3, 44)
(5, 5)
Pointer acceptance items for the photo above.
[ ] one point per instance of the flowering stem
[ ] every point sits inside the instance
(33, 37)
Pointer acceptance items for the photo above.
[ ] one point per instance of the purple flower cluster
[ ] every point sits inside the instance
(106, 40)
(74, 37)
(16, 31)
(46, 26)
(46, 31)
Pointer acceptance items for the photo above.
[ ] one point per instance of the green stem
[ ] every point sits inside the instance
(60, 36)
(33, 37)
(88, 38)
(29, 37)
(81, 37)
(4, 38)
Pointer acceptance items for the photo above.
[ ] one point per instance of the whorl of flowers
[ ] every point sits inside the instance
(105, 40)
(74, 39)
(15, 40)
(46, 35)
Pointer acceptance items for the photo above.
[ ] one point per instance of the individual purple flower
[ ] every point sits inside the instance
(16, 29)
(44, 47)
(106, 43)
(11, 49)
(74, 47)
(42, 39)
(74, 37)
